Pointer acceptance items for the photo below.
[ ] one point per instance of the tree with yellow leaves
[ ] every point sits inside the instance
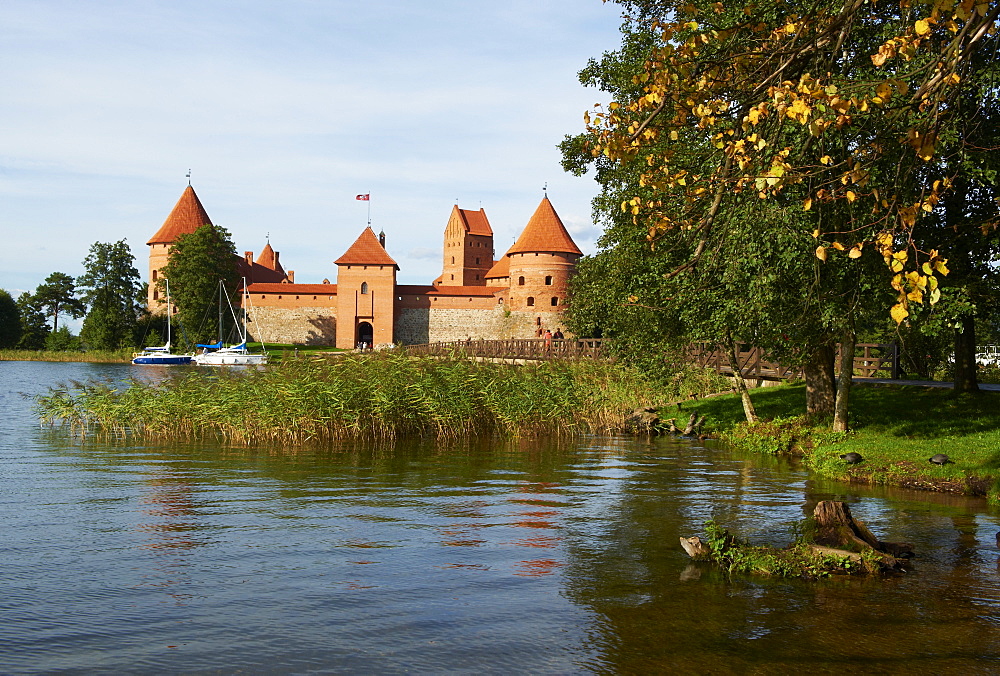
(839, 109)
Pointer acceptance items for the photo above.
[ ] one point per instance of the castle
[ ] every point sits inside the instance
(518, 296)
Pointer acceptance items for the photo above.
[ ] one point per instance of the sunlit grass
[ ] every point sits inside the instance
(380, 395)
(896, 429)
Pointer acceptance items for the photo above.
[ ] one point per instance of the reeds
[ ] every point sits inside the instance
(95, 356)
(377, 396)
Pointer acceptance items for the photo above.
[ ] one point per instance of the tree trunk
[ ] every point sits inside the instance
(820, 395)
(741, 385)
(965, 356)
(840, 418)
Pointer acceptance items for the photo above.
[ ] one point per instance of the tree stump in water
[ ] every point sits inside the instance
(837, 529)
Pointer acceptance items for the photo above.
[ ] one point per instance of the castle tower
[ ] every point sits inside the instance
(187, 216)
(540, 263)
(468, 249)
(366, 293)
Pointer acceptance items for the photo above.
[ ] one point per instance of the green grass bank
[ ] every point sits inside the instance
(896, 429)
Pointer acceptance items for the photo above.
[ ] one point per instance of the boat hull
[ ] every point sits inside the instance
(223, 359)
(162, 359)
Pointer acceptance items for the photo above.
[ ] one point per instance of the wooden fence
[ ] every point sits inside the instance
(522, 348)
(870, 360)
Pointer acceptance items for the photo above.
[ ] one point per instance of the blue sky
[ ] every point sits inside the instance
(284, 111)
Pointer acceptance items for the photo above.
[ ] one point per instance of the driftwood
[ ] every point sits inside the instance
(695, 548)
(837, 534)
(694, 425)
(837, 528)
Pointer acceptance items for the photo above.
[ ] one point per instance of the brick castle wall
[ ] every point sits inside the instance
(425, 325)
(299, 326)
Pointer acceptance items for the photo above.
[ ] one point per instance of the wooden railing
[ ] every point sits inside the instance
(870, 360)
(521, 348)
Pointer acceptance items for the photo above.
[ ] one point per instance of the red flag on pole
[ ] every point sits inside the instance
(363, 198)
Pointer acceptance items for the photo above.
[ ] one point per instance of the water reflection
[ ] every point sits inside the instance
(505, 556)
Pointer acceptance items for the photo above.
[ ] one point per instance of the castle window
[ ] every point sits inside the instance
(452, 259)
(531, 301)
(279, 297)
(555, 301)
(548, 280)
(520, 281)
(477, 260)
(364, 288)
(453, 276)
(154, 275)
(314, 297)
(296, 298)
(156, 294)
(499, 301)
(477, 278)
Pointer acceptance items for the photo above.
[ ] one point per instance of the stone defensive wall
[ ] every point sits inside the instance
(414, 325)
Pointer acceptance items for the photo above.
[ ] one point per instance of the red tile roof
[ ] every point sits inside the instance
(475, 222)
(269, 259)
(303, 289)
(419, 289)
(187, 216)
(366, 250)
(545, 233)
(500, 269)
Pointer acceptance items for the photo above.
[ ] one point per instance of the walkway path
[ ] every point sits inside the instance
(922, 383)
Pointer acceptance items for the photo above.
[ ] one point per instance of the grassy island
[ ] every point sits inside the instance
(895, 429)
(378, 395)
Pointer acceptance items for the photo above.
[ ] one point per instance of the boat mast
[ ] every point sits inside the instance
(221, 289)
(167, 284)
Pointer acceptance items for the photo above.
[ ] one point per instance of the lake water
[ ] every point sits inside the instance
(526, 556)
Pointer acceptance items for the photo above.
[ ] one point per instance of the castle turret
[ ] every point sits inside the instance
(540, 263)
(468, 249)
(187, 216)
(366, 293)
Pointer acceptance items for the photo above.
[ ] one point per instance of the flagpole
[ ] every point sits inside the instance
(369, 209)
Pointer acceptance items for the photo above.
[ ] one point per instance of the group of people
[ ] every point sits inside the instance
(548, 336)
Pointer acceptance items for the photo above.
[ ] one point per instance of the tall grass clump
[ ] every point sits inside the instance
(94, 356)
(378, 396)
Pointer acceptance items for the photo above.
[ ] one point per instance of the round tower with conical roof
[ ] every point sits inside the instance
(187, 216)
(540, 263)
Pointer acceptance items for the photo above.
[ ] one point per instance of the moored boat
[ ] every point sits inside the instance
(162, 355)
(233, 355)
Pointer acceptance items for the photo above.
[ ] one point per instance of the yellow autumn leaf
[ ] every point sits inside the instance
(922, 27)
(899, 313)
(935, 296)
(821, 253)
(916, 296)
(816, 233)
(941, 267)
(826, 159)
(807, 205)
(851, 196)
(838, 246)
(673, 135)
(855, 252)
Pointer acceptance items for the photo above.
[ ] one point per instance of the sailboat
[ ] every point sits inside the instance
(162, 355)
(234, 355)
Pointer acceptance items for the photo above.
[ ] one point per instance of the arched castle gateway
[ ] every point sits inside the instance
(518, 296)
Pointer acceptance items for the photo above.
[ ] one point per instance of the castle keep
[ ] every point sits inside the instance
(520, 295)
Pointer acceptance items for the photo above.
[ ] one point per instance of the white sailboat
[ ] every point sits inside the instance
(233, 355)
(162, 355)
